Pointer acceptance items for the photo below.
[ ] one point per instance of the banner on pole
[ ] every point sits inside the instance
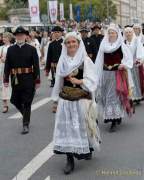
(71, 11)
(61, 11)
(34, 11)
(53, 6)
(78, 13)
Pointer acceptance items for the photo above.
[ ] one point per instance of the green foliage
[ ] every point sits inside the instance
(3, 13)
(99, 8)
(16, 3)
(43, 6)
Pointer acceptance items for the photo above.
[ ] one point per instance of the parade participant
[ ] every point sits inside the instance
(31, 40)
(23, 66)
(97, 36)
(54, 52)
(44, 45)
(76, 133)
(112, 62)
(137, 50)
(89, 43)
(138, 32)
(5, 93)
(1, 39)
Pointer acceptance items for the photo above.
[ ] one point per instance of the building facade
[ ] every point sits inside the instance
(2, 3)
(129, 11)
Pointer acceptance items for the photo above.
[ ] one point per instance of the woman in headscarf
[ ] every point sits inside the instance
(76, 133)
(111, 65)
(5, 91)
(136, 47)
(138, 32)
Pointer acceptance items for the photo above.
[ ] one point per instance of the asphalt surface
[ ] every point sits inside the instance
(121, 156)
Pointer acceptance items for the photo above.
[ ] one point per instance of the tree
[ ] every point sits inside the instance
(43, 6)
(17, 3)
(99, 8)
(3, 13)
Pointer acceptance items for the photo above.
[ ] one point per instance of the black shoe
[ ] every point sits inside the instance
(70, 164)
(88, 156)
(119, 121)
(113, 127)
(25, 130)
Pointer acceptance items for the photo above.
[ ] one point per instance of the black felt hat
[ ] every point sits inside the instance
(21, 30)
(97, 26)
(57, 29)
(84, 29)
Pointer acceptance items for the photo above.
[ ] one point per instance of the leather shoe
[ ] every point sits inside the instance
(25, 130)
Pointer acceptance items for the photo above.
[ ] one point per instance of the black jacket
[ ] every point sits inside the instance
(22, 57)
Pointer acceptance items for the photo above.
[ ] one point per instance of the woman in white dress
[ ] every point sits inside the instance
(111, 65)
(136, 47)
(76, 133)
(138, 32)
(5, 91)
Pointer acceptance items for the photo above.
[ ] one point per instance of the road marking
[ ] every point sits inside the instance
(35, 164)
(34, 107)
(48, 178)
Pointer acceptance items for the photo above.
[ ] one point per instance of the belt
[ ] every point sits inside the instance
(21, 70)
(111, 67)
(54, 65)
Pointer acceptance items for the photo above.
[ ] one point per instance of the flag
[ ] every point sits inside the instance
(78, 11)
(71, 11)
(34, 11)
(53, 6)
(61, 11)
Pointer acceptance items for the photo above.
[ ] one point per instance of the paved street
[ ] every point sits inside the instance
(121, 156)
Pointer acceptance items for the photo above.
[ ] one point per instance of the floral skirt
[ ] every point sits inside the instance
(108, 99)
(136, 94)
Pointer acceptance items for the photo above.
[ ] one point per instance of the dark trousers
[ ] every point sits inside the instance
(22, 100)
(53, 72)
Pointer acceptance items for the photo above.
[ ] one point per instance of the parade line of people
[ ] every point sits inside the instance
(92, 74)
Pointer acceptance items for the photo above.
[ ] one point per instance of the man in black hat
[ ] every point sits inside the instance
(89, 43)
(97, 36)
(22, 64)
(54, 52)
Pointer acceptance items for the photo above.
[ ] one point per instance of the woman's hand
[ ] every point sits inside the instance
(76, 81)
(138, 62)
(121, 67)
(3, 60)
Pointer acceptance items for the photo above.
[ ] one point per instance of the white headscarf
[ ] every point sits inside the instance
(107, 47)
(68, 64)
(135, 46)
(140, 36)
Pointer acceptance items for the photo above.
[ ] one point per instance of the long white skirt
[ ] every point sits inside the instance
(70, 134)
(5, 92)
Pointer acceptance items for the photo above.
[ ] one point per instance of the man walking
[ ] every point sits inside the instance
(22, 64)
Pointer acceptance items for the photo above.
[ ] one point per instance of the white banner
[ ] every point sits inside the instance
(71, 11)
(61, 11)
(53, 6)
(34, 11)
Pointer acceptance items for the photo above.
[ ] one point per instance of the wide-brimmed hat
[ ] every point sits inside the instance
(57, 29)
(84, 29)
(97, 26)
(21, 30)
